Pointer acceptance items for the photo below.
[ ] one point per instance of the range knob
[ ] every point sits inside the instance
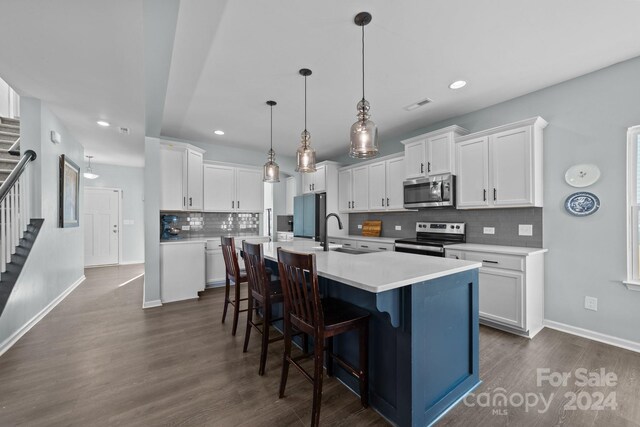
(452, 226)
(457, 227)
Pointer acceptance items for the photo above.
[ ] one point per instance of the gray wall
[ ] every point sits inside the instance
(505, 222)
(56, 260)
(588, 120)
(130, 181)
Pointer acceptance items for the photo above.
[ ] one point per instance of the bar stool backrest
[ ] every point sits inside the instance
(230, 258)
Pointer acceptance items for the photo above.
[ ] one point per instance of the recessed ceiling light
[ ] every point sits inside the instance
(457, 84)
(218, 132)
(103, 123)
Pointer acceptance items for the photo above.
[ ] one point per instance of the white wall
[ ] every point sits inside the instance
(588, 120)
(151, 292)
(56, 261)
(131, 181)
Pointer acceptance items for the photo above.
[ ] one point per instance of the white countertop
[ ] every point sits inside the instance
(376, 271)
(510, 250)
(185, 240)
(366, 238)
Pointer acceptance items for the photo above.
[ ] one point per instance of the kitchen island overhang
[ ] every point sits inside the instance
(423, 355)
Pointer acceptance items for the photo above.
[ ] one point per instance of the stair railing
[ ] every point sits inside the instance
(15, 209)
(14, 150)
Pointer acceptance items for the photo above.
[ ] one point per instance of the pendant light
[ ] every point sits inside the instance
(89, 173)
(364, 132)
(271, 170)
(306, 155)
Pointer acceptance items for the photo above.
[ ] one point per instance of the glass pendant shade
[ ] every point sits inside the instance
(305, 155)
(271, 170)
(89, 173)
(364, 134)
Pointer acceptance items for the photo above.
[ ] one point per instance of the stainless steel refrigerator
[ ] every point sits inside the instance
(309, 212)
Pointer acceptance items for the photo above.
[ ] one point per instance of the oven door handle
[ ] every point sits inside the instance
(420, 247)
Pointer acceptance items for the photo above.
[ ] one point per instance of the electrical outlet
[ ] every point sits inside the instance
(398, 227)
(186, 227)
(359, 226)
(591, 303)
(489, 230)
(525, 230)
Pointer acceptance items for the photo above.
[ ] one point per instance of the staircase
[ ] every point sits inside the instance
(9, 134)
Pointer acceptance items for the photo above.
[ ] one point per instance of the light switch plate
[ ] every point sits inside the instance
(489, 230)
(525, 230)
(359, 226)
(591, 303)
(127, 221)
(398, 227)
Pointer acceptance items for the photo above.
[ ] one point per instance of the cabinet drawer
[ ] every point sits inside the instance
(451, 253)
(509, 262)
(375, 246)
(334, 241)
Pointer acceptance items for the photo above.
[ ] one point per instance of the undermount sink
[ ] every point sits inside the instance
(350, 251)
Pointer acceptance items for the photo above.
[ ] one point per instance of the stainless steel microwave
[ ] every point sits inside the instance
(434, 192)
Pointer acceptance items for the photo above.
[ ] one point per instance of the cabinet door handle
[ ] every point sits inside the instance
(429, 167)
(421, 167)
(190, 201)
(489, 262)
(353, 204)
(495, 194)
(364, 246)
(238, 204)
(184, 201)
(484, 195)
(387, 202)
(383, 249)
(313, 186)
(349, 205)
(233, 204)
(383, 202)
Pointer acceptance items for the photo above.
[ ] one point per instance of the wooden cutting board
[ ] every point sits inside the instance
(371, 228)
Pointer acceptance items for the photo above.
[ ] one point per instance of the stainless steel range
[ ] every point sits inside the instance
(432, 237)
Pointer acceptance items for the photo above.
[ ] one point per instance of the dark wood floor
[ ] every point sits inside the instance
(99, 359)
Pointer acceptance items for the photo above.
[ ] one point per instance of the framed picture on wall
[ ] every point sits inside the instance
(69, 191)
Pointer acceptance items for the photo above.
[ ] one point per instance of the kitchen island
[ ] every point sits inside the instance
(423, 339)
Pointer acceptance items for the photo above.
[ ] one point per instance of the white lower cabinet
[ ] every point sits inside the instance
(215, 268)
(182, 267)
(511, 289)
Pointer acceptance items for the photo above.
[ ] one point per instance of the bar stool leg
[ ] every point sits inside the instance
(236, 308)
(247, 332)
(363, 337)
(317, 380)
(329, 358)
(266, 316)
(285, 360)
(226, 299)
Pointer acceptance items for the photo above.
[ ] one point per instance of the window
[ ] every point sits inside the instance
(633, 210)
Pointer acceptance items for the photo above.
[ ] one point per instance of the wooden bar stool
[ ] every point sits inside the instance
(263, 293)
(235, 275)
(321, 320)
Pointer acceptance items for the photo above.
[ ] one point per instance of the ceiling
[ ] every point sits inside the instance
(86, 60)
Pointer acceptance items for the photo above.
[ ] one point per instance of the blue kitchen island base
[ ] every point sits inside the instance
(423, 345)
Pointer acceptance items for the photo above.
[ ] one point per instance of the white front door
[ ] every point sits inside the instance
(101, 226)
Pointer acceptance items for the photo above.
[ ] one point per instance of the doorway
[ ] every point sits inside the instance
(102, 224)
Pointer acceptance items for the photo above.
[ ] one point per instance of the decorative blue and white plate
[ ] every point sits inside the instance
(582, 203)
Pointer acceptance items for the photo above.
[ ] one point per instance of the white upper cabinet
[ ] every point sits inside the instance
(292, 191)
(373, 186)
(432, 153)
(180, 178)
(360, 189)
(345, 187)
(315, 182)
(232, 189)
(414, 154)
(377, 186)
(501, 167)
(394, 183)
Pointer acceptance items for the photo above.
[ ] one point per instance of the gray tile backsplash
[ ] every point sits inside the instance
(214, 224)
(505, 222)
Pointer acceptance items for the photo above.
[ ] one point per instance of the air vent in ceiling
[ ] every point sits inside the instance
(418, 104)
(124, 131)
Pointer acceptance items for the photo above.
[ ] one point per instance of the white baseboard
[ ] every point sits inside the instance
(151, 304)
(11, 340)
(595, 336)
(132, 262)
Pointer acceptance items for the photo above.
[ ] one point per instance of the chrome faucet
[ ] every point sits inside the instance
(325, 239)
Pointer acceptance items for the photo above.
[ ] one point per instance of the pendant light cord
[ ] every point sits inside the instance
(271, 127)
(363, 62)
(305, 103)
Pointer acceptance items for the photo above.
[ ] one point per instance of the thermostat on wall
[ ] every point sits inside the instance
(55, 137)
